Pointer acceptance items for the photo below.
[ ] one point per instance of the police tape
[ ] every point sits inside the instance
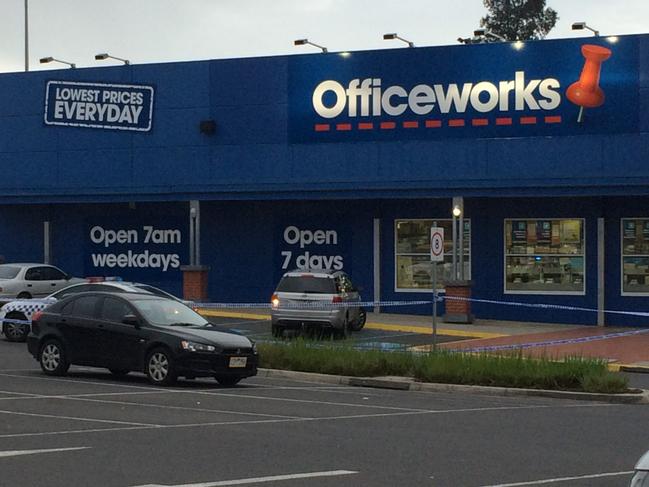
(550, 343)
(313, 304)
(546, 306)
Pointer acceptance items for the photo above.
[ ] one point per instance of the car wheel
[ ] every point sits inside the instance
(52, 358)
(277, 331)
(360, 322)
(227, 380)
(344, 332)
(119, 372)
(24, 295)
(15, 332)
(160, 367)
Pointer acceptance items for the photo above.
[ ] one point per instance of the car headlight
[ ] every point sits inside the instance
(197, 347)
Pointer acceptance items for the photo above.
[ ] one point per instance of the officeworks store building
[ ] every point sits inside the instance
(220, 175)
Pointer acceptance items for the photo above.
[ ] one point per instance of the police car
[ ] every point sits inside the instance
(16, 316)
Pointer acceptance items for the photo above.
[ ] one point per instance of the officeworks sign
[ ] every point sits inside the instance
(98, 105)
(564, 87)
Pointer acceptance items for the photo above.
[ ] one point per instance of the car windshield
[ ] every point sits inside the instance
(8, 271)
(167, 312)
(307, 284)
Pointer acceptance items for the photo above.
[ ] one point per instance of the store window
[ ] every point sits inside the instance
(635, 256)
(544, 256)
(412, 254)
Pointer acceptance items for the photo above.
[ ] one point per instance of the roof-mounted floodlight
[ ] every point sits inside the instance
(487, 33)
(302, 42)
(45, 60)
(103, 56)
(388, 37)
(582, 26)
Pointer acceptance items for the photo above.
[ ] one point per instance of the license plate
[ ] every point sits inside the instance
(238, 362)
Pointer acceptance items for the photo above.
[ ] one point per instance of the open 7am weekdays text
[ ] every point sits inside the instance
(132, 259)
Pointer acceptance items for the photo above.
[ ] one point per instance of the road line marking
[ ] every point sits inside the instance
(563, 479)
(183, 408)
(258, 480)
(329, 418)
(74, 418)
(16, 453)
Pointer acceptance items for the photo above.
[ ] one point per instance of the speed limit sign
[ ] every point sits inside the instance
(436, 244)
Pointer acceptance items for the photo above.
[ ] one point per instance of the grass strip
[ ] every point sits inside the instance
(505, 370)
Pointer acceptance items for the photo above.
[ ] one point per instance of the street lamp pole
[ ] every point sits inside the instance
(26, 36)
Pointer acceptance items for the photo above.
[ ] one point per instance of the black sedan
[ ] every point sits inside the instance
(138, 332)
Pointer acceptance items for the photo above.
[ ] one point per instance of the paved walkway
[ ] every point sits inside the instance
(631, 350)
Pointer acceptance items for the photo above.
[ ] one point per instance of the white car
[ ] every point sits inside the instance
(641, 474)
(25, 281)
(16, 316)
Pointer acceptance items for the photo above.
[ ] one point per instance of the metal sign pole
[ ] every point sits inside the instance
(436, 255)
(434, 306)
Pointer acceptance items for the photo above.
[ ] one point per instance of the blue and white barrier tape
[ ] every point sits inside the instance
(564, 341)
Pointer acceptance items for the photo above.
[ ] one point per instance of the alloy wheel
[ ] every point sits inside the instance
(158, 366)
(51, 357)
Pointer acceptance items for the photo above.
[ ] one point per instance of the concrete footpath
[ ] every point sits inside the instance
(625, 349)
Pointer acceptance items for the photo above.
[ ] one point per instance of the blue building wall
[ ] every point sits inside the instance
(254, 180)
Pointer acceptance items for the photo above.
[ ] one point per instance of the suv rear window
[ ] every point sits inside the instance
(307, 284)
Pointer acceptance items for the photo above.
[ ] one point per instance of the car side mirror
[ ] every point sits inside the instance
(131, 320)
(68, 277)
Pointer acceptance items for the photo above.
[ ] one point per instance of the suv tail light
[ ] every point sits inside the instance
(337, 299)
(37, 316)
(274, 301)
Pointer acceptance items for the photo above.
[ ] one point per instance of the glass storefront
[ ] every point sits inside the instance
(635, 256)
(412, 254)
(544, 256)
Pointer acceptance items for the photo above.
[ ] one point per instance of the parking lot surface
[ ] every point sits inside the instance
(89, 428)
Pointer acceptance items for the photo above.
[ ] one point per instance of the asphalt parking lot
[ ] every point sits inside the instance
(91, 429)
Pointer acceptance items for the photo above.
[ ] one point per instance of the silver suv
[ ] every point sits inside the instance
(312, 298)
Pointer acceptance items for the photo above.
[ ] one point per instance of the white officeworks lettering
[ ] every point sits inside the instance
(367, 97)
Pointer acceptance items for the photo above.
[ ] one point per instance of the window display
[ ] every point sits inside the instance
(635, 256)
(544, 256)
(412, 254)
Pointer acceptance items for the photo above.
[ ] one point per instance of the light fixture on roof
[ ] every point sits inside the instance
(45, 60)
(484, 33)
(582, 26)
(104, 55)
(302, 42)
(388, 37)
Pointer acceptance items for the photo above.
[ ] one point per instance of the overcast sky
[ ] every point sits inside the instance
(147, 31)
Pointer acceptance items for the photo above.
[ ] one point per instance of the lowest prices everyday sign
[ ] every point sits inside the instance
(99, 105)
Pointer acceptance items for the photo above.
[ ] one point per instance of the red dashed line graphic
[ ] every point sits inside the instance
(528, 120)
(431, 124)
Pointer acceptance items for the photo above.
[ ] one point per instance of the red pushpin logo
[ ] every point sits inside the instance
(586, 91)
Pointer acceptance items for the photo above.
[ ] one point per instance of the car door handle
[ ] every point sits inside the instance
(29, 285)
(100, 326)
(53, 284)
